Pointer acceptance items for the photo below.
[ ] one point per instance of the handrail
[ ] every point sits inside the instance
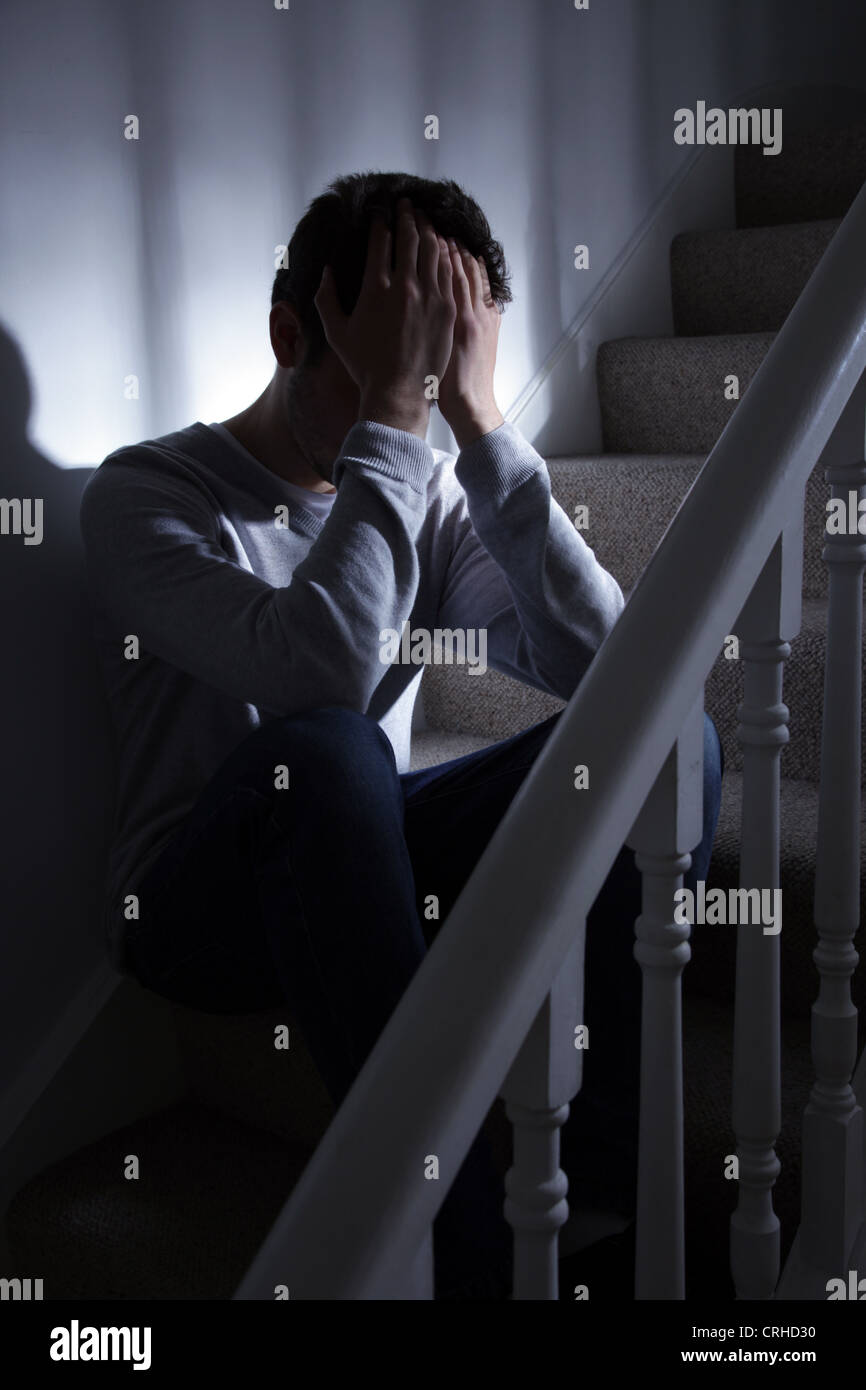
(424, 1091)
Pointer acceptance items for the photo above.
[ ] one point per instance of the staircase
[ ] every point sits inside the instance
(216, 1170)
(663, 407)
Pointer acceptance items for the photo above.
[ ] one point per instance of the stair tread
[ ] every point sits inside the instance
(776, 233)
(632, 463)
(681, 345)
(179, 1231)
(210, 1188)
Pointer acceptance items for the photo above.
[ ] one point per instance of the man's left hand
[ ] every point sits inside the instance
(466, 397)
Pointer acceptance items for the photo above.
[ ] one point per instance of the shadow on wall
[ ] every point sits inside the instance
(55, 739)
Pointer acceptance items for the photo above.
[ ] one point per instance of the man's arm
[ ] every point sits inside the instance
(521, 570)
(158, 569)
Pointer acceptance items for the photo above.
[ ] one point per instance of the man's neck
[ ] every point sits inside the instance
(266, 432)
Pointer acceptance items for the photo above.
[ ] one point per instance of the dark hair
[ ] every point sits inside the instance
(335, 228)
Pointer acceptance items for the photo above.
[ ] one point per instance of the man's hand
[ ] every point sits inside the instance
(466, 392)
(401, 329)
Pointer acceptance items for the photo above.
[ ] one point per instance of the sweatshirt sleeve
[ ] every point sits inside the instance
(158, 568)
(521, 570)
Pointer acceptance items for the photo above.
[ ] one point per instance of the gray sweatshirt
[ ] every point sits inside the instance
(246, 606)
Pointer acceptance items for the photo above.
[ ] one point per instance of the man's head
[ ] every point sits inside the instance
(312, 400)
(335, 229)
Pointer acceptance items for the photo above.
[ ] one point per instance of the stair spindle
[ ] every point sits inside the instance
(771, 615)
(832, 1193)
(665, 832)
(543, 1079)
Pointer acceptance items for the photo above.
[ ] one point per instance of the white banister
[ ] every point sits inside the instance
(832, 1193)
(770, 617)
(664, 834)
(359, 1209)
(545, 1077)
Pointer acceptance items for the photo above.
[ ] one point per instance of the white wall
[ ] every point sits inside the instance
(156, 257)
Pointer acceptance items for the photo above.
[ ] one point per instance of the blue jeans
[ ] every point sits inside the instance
(314, 897)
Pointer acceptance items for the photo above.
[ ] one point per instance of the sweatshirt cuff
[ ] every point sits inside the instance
(395, 453)
(498, 462)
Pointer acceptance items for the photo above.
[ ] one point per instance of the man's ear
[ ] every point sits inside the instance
(287, 336)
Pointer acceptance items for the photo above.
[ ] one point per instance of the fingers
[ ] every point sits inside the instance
(429, 254)
(406, 261)
(433, 267)
(445, 271)
(462, 291)
(471, 281)
(472, 271)
(377, 272)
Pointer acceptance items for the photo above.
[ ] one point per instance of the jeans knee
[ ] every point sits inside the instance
(328, 741)
(334, 721)
(335, 731)
(324, 745)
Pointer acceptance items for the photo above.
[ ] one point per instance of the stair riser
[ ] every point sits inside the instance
(667, 395)
(816, 175)
(744, 281)
(632, 499)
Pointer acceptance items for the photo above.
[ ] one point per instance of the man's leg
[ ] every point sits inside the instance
(305, 896)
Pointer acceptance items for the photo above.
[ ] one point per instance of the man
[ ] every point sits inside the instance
(269, 835)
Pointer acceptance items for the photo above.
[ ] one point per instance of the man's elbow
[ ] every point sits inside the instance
(605, 615)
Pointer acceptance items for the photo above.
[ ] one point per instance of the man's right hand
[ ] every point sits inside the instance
(401, 330)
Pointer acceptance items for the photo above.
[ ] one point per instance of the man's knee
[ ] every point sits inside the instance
(334, 726)
(323, 747)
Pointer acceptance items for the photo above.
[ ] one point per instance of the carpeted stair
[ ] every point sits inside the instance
(215, 1170)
